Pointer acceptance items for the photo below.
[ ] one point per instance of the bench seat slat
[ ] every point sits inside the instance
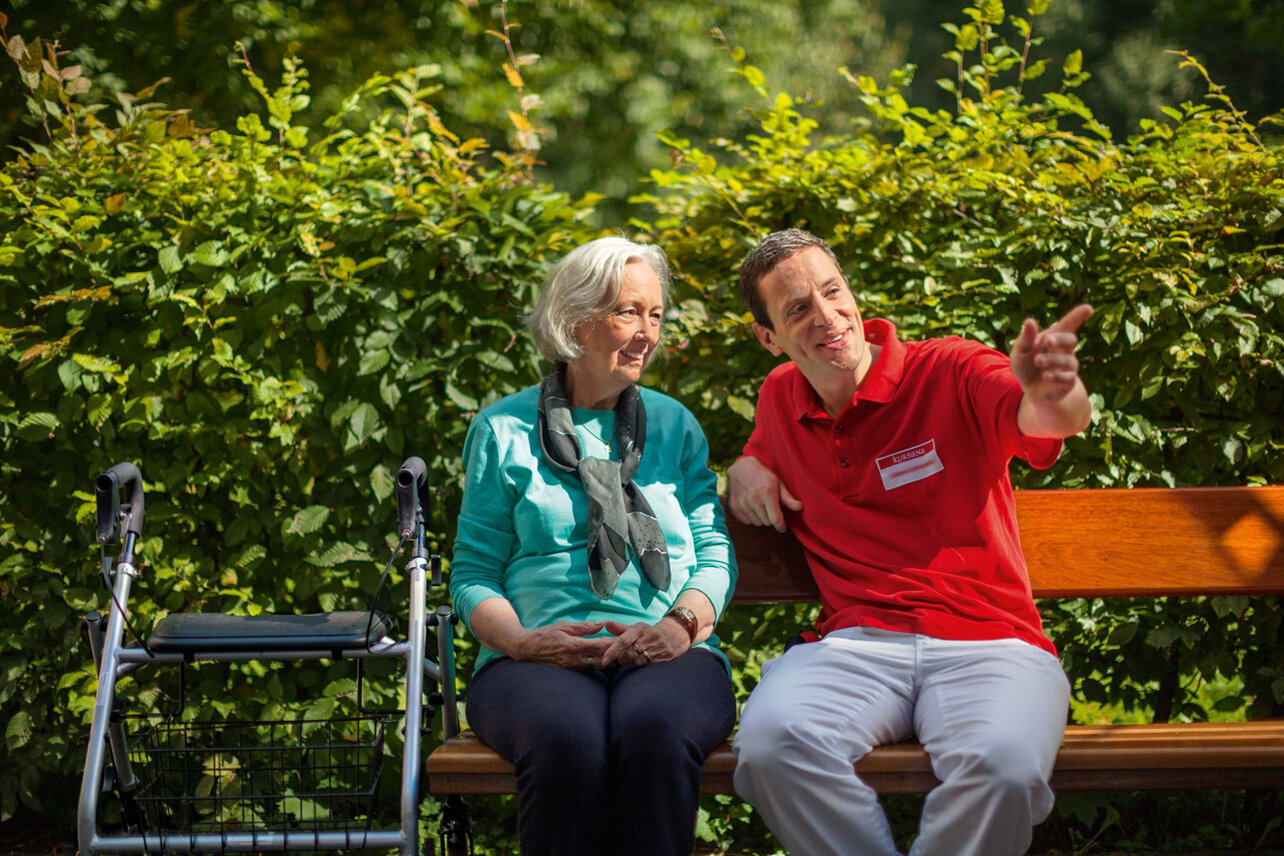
(1092, 757)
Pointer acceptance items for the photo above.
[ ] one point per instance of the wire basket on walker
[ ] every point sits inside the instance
(308, 781)
(278, 776)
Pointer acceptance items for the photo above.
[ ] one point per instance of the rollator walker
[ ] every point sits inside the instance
(295, 784)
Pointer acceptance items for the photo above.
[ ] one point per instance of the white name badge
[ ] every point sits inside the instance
(909, 465)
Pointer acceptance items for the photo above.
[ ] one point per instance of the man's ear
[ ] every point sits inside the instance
(768, 339)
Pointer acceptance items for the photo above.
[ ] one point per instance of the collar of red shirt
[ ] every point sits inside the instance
(879, 384)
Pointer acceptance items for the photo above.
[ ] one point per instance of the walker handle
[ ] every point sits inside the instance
(107, 492)
(412, 485)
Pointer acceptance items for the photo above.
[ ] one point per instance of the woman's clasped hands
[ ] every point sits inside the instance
(643, 644)
(564, 643)
(571, 644)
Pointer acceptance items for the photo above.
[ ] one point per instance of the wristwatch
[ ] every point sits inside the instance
(687, 619)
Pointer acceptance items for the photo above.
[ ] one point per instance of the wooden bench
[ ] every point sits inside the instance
(1183, 542)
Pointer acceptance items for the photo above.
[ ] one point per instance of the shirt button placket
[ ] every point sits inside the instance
(842, 452)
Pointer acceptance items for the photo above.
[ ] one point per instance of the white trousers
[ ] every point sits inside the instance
(990, 714)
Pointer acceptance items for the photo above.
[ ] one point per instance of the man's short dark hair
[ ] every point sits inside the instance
(762, 260)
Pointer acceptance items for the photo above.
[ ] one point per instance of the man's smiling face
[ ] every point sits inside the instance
(814, 316)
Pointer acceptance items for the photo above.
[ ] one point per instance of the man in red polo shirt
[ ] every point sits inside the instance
(889, 461)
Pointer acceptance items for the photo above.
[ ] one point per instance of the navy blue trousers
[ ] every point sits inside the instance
(608, 761)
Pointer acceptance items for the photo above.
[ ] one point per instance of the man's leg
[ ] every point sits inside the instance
(819, 708)
(551, 724)
(991, 715)
(665, 719)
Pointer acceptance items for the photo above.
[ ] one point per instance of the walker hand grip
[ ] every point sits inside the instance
(107, 492)
(412, 485)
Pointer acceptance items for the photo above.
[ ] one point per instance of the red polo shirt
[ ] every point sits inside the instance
(908, 517)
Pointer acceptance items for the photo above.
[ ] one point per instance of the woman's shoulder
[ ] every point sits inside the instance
(658, 403)
(514, 412)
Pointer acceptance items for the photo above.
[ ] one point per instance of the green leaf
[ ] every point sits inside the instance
(703, 830)
(373, 361)
(339, 553)
(1068, 104)
(91, 363)
(341, 687)
(37, 426)
(495, 360)
(18, 731)
(16, 47)
(317, 714)
(382, 482)
(170, 259)
(247, 558)
(210, 254)
(252, 126)
(741, 407)
(69, 372)
(461, 399)
(307, 520)
(364, 422)
(1073, 63)
(1123, 634)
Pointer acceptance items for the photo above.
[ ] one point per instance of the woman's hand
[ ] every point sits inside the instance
(642, 644)
(562, 644)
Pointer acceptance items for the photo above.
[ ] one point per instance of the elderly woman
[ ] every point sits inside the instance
(592, 562)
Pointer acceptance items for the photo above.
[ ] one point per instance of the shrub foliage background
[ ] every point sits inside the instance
(269, 317)
(967, 222)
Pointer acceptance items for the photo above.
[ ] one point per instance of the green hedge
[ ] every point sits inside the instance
(1014, 206)
(268, 318)
(1019, 203)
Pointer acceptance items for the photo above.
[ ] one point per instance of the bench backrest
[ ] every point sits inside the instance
(1138, 542)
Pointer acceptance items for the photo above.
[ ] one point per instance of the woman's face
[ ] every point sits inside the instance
(618, 346)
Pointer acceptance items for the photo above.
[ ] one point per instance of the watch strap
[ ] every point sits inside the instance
(687, 619)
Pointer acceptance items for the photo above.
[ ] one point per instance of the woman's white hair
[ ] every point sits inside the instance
(584, 286)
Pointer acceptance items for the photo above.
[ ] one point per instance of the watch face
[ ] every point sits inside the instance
(687, 619)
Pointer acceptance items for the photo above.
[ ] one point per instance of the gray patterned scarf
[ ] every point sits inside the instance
(619, 516)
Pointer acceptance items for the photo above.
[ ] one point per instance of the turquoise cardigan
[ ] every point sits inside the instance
(522, 526)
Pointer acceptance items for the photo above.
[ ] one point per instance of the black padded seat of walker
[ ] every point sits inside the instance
(195, 634)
